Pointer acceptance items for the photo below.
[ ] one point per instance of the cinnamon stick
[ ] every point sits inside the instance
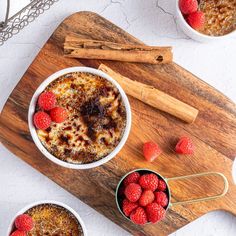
(153, 96)
(94, 49)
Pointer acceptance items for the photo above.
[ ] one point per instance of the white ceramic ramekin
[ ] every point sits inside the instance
(33, 130)
(192, 33)
(22, 211)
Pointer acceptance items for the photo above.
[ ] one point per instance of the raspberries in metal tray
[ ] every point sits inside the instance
(155, 212)
(131, 178)
(149, 181)
(138, 216)
(128, 207)
(133, 192)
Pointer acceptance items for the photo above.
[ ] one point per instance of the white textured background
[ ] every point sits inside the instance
(149, 20)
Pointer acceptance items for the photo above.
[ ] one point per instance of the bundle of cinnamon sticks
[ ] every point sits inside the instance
(94, 49)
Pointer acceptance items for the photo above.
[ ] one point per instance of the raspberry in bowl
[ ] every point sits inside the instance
(143, 196)
(79, 117)
(205, 20)
(47, 218)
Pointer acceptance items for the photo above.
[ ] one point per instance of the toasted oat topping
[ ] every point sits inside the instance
(53, 220)
(96, 120)
(220, 16)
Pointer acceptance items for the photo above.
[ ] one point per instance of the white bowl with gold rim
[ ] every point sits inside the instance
(39, 144)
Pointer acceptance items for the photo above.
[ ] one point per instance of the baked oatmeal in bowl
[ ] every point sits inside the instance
(207, 20)
(47, 218)
(79, 117)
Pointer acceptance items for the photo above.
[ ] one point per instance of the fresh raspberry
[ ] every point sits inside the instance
(133, 192)
(128, 207)
(151, 151)
(58, 114)
(42, 120)
(161, 198)
(155, 212)
(18, 233)
(131, 178)
(24, 222)
(161, 185)
(188, 6)
(47, 101)
(196, 20)
(184, 146)
(146, 198)
(149, 181)
(138, 216)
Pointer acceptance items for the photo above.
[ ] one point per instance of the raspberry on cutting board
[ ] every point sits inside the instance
(184, 146)
(151, 151)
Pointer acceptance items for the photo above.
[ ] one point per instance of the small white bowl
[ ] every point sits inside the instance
(194, 34)
(34, 135)
(22, 211)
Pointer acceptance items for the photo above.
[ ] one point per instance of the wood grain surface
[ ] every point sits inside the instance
(213, 132)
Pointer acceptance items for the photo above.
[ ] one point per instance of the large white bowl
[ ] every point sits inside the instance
(34, 135)
(192, 33)
(22, 211)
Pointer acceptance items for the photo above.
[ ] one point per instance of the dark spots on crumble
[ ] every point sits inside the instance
(92, 107)
(48, 129)
(67, 151)
(80, 138)
(91, 133)
(121, 111)
(110, 125)
(104, 90)
(84, 157)
(64, 139)
(47, 139)
(67, 128)
(73, 86)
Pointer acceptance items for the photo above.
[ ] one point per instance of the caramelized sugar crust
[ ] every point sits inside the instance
(220, 16)
(53, 220)
(96, 122)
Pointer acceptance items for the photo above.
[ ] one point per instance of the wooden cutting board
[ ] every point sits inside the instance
(213, 133)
